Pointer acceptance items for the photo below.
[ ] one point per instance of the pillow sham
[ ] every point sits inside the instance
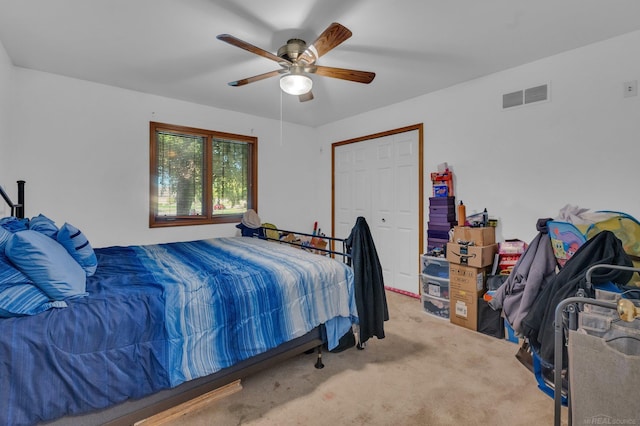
(4, 237)
(25, 299)
(8, 273)
(44, 225)
(78, 247)
(13, 224)
(47, 264)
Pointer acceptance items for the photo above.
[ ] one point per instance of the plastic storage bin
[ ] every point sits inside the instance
(437, 267)
(436, 306)
(437, 287)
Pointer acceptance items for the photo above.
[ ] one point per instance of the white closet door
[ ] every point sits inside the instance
(378, 179)
(352, 194)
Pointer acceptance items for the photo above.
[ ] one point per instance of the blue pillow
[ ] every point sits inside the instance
(47, 264)
(24, 299)
(4, 237)
(44, 225)
(78, 247)
(8, 273)
(13, 224)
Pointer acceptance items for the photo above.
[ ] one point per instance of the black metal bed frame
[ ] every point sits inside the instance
(17, 210)
(345, 253)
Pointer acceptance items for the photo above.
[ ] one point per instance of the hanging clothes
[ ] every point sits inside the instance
(538, 325)
(370, 296)
(533, 271)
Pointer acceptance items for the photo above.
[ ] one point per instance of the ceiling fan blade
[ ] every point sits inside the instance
(365, 77)
(234, 41)
(306, 96)
(255, 78)
(330, 38)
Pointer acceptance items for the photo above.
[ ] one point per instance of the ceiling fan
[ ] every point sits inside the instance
(297, 59)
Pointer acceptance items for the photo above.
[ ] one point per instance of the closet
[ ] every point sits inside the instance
(380, 177)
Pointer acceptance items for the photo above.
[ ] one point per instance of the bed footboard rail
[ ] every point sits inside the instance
(320, 244)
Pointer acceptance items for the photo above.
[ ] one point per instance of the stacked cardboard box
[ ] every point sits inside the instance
(470, 258)
(442, 217)
(472, 246)
(476, 236)
(466, 285)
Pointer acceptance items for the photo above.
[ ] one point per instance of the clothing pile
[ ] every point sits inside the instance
(537, 284)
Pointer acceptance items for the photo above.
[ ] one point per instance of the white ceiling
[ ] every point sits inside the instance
(169, 47)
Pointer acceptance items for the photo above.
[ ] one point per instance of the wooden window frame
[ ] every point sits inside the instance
(208, 217)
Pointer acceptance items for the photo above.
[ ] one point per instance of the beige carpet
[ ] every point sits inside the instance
(426, 371)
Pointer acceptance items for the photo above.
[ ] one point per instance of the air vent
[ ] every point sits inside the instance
(526, 96)
(512, 99)
(535, 94)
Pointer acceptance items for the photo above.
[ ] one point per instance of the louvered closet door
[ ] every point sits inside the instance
(378, 179)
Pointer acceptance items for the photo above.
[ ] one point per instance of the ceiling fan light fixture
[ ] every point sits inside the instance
(295, 84)
(297, 60)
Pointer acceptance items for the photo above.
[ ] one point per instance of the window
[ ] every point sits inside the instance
(200, 176)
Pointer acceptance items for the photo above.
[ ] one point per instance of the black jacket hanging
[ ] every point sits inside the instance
(371, 299)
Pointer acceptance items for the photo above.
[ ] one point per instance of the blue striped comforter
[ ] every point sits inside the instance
(228, 299)
(159, 315)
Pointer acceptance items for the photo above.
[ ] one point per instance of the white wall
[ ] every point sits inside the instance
(83, 149)
(6, 85)
(581, 148)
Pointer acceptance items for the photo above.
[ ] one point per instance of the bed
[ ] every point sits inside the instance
(160, 324)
